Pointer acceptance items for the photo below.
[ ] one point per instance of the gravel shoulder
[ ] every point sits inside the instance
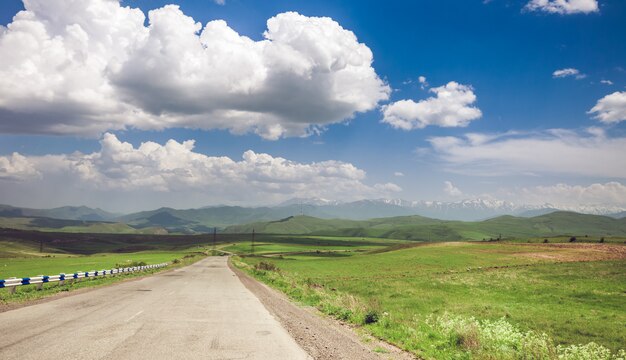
(320, 336)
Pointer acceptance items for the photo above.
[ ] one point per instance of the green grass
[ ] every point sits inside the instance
(69, 253)
(29, 266)
(413, 289)
(293, 244)
(425, 229)
(30, 292)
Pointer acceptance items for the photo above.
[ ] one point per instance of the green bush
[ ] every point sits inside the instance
(265, 266)
(130, 264)
(371, 317)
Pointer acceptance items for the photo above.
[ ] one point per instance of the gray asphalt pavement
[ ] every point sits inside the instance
(202, 311)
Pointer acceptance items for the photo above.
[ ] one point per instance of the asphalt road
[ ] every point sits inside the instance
(201, 311)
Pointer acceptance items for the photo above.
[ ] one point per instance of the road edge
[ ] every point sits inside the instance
(322, 337)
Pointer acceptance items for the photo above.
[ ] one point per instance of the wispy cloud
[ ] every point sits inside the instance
(451, 190)
(558, 151)
(568, 72)
(564, 7)
(607, 194)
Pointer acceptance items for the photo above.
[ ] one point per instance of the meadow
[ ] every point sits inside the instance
(483, 300)
(516, 299)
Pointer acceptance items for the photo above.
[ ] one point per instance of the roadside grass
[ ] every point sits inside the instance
(56, 264)
(30, 292)
(21, 259)
(467, 300)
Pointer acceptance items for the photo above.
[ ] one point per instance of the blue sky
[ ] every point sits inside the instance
(502, 55)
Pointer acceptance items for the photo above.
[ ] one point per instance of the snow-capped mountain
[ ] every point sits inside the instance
(468, 209)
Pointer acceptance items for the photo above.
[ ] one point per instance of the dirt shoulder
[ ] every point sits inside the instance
(323, 338)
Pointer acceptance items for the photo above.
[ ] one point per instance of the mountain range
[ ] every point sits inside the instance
(207, 218)
(555, 224)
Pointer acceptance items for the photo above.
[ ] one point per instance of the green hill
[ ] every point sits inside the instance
(83, 213)
(74, 226)
(421, 228)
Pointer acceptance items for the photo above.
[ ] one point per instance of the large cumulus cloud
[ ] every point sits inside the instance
(174, 168)
(98, 67)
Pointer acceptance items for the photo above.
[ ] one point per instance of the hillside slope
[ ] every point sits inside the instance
(74, 226)
(421, 228)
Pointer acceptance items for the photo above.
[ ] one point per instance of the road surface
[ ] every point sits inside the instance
(201, 311)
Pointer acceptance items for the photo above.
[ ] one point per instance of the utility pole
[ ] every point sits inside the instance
(252, 244)
(214, 238)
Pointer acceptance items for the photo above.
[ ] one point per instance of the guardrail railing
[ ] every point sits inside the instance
(12, 283)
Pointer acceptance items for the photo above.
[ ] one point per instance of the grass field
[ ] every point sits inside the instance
(453, 300)
(316, 245)
(20, 256)
(468, 300)
(22, 267)
(426, 229)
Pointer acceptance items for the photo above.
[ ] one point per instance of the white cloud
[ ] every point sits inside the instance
(556, 151)
(89, 66)
(563, 6)
(388, 188)
(450, 107)
(567, 73)
(611, 108)
(423, 82)
(220, 2)
(451, 190)
(119, 167)
(610, 193)
(606, 82)
(398, 174)
(17, 167)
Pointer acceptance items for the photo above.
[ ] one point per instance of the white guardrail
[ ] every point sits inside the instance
(39, 280)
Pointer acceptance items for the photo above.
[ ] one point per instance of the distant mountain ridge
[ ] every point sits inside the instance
(207, 218)
(560, 223)
(82, 213)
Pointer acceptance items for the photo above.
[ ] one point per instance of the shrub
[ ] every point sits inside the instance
(371, 317)
(499, 339)
(176, 261)
(130, 264)
(266, 266)
(572, 239)
(602, 239)
(545, 241)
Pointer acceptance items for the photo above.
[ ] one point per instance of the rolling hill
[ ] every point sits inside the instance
(421, 228)
(74, 226)
(83, 213)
